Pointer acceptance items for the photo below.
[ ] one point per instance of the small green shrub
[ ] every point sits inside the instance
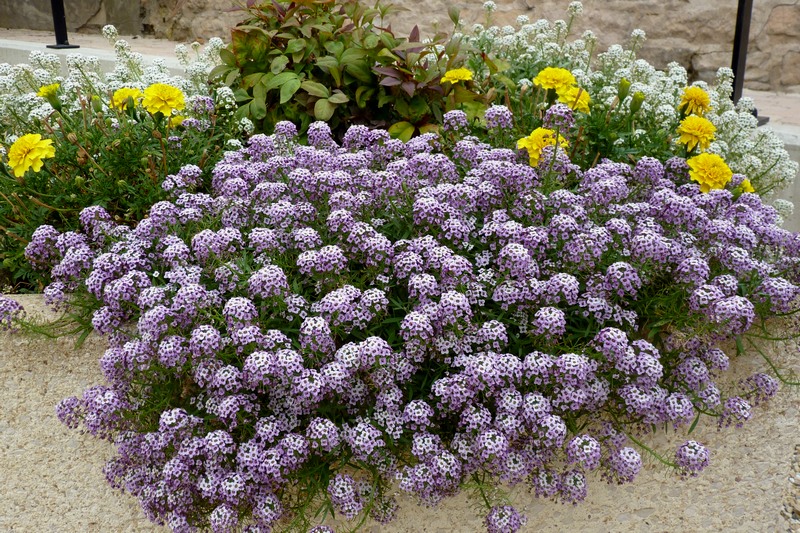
(335, 61)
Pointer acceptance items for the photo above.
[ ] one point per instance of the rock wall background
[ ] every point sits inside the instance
(699, 35)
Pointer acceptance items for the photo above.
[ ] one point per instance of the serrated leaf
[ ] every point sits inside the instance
(288, 89)
(323, 110)
(402, 130)
(338, 98)
(278, 64)
(315, 88)
(280, 79)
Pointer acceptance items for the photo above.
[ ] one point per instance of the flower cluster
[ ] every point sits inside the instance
(425, 310)
(92, 138)
(624, 105)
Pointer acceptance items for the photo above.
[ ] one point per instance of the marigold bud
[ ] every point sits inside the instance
(636, 101)
(623, 88)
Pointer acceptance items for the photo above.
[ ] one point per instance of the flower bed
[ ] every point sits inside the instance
(520, 296)
(95, 138)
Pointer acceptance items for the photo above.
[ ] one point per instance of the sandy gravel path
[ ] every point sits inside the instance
(51, 478)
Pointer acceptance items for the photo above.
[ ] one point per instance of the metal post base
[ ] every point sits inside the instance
(62, 46)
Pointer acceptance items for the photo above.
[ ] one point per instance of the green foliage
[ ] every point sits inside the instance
(333, 60)
(104, 156)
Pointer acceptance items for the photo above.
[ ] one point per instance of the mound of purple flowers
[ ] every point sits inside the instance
(336, 319)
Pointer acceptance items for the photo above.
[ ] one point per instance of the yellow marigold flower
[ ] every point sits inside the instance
(28, 152)
(710, 171)
(48, 91)
(537, 140)
(163, 98)
(457, 75)
(576, 98)
(176, 121)
(746, 186)
(695, 101)
(556, 78)
(119, 100)
(696, 131)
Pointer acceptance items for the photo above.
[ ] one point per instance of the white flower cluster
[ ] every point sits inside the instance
(757, 152)
(83, 77)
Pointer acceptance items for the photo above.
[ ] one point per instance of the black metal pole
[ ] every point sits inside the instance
(60, 25)
(740, 40)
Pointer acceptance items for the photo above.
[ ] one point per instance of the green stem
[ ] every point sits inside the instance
(782, 379)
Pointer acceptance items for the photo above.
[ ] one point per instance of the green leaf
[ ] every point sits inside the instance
(288, 89)
(351, 55)
(241, 95)
(258, 109)
(360, 71)
(694, 424)
(402, 130)
(280, 79)
(227, 57)
(260, 92)
(327, 62)
(429, 128)
(251, 80)
(371, 41)
(315, 88)
(388, 54)
(278, 64)
(323, 109)
(295, 45)
(363, 94)
(334, 47)
(231, 77)
(338, 97)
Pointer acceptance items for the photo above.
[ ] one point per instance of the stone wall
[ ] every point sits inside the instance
(697, 34)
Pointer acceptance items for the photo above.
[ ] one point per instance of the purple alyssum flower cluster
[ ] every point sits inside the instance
(425, 310)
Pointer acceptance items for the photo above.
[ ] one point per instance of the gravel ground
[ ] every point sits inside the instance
(52, 477)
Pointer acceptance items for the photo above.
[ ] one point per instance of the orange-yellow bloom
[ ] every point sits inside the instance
(48, 91)
(695, 101)
(457, 75)
(576, 98)
(559, 79)
(746, 186)
(163, 98)
(710, 171)
(537, 140)
(119, 100)
(28, 152)
(696, 131)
